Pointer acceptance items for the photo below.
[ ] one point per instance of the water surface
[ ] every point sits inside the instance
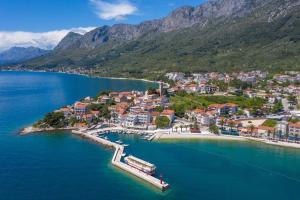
(62, 166)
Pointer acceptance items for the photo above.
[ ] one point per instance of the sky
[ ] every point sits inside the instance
(43, 23)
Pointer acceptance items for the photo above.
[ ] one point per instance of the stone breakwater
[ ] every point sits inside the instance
(116, 160)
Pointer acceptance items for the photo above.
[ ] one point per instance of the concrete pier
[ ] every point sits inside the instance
(116, 160)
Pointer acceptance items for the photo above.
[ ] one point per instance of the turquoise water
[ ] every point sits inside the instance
(62, 166)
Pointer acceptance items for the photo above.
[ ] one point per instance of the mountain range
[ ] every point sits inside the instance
(219, 35)
(21, 54)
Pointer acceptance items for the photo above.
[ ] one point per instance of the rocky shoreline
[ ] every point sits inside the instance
(31, 130)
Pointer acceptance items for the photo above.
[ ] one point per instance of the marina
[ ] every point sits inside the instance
(142, 170)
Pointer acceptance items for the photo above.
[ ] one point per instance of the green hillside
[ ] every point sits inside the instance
(225, 44)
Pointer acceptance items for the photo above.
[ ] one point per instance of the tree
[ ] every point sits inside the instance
(251, 129)
(293, 120)
(101, 94)
(286, 135)
(55, 119)
(214, 129)
(277, 106)
(274, 135)
(292, 99)
(159, 108)
(222, 122)
(181, 126)
(73, 121)
(114, 116)
(152, 91)
(269, 134)
(270, 123)
(231, 125)
(162, 122)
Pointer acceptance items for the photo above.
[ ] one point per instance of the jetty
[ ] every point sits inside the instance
(117, 159)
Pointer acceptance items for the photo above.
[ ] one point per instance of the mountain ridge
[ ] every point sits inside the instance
(120, 47)
(20, 54)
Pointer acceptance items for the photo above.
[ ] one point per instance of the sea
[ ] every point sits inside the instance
(61, 166)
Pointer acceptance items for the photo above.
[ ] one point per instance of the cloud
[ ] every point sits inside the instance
(113, 11)
(44, 40)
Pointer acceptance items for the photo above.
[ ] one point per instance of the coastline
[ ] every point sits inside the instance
(225, 137)
(159, 135)
(273, 143)
(163, 136)
(199, 137)
(31, 130)
(86, 75)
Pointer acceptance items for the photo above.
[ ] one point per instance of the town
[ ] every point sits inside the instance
(253, 104)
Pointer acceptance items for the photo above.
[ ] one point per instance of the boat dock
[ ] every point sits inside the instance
(116, 160)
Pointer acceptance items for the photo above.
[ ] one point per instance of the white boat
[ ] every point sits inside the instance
(140, 164)
(119, 141)
(123, 154)
(125, 145)
(146, 137)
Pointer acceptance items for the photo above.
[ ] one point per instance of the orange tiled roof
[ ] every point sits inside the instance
(216, 105)
(231, 104)
(80, 105)
(295, 125)
(199, 111)
(168, 112)
(266, 128)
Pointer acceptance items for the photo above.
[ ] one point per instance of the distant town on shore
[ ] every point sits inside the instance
(254, 104)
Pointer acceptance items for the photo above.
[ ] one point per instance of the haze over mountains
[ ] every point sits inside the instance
(219, 35)
(20, 54)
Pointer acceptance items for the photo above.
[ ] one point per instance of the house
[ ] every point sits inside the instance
(207, 89)
(66, 110)
(80, 108)
(87, 117)
(130, 120)
(224, 109)
(153, 116)
(202, 117)
(191, 87)
(170, 114)
(144, 118)
(113, 94)
(95, 113)
(134, 119)
(120, 99)
(103, 99)
(265, 131)
(175, 76)
(294, 128)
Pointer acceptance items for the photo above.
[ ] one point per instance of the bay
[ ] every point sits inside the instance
(62, 166)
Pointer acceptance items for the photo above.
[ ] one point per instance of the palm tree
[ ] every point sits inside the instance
(181, 126)
(251, 128)
(286, 136)
(274, 134)
(222, 122)
(296, 137)
(269, 134)
(186, 127)
(114, 116)
(231, 125)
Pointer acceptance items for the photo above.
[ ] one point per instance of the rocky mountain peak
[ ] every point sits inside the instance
(182, 17)
(68, 40)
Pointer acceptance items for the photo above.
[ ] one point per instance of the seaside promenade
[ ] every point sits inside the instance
(116, 160)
